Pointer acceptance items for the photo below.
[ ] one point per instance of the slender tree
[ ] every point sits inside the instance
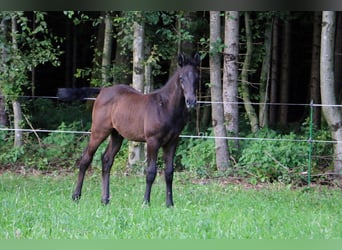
(285, 72)
(3, 52)
(222, 159)
(136, 149)
(253, 119)
(230, 74)
(315, 94)
(338, 56)
(331, 112)
(148, 80)
(274, 72)
(17, 112)
(265, 74)
(107, 48)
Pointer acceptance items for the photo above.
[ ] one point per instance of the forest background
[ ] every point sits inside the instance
(259, 73)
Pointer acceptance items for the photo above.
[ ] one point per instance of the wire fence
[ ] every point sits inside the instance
(310, 140)
(200, 135)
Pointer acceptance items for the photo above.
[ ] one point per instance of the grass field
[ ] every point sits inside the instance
(40, 207)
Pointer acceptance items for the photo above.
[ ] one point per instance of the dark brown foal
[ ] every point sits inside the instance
(156, 118)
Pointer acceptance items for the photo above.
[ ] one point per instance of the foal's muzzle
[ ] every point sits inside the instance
(190, 103)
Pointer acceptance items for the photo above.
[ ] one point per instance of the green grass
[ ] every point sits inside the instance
(40, 207)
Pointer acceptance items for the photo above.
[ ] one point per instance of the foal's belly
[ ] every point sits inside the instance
(129, 125)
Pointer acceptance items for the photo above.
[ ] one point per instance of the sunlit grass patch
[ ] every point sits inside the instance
(40, 207)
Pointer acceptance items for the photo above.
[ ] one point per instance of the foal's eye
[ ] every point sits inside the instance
(180, 79)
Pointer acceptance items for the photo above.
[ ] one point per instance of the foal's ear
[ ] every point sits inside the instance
(181, 60)
(197, 59)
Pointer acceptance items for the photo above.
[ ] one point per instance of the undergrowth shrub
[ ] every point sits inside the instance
(57, 149)
(8, 153)
(197, 155)
(54, 151)
(278, 157)
(49, 114)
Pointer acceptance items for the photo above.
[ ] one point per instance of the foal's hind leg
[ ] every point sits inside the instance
(113, 148)
(95, 140)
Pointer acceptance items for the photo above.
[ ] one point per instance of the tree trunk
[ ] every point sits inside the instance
(315, 94)
(68, 54)
(274, 74)
(204, 113)
(17, 116)
(138, 57)
(230, 74)
(107, 49)
(222, 158)
(74, 56)
(264, 77)
(33, 70)
(285, 73)
(253, 119)
(3, 115)
(338, 57)
(331, 113)
(17, 112)
(136, 150)
(148, 85)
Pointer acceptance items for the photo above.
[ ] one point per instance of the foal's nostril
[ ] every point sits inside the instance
(190, 103)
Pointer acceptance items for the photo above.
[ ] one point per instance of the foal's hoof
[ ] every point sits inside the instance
(169, 205)
(146, 203)
(76, 197)
(105, 201)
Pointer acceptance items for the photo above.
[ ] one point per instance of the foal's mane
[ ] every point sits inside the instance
(183, 62)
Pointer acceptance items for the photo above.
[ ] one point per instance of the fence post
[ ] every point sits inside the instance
(310, 143)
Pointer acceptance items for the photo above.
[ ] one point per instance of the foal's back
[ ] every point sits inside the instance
(123, 108)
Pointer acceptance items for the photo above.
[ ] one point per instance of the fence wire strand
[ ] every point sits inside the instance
(199, 102)
(309, 140)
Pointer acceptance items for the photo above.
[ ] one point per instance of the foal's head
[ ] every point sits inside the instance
(188, 78)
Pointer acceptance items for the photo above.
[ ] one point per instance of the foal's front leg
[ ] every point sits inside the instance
(169, 153)
(151, 170)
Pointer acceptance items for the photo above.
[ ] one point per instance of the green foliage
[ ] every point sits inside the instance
(197, 155)
(274, 158)
(77, 17)
(8, 154)
(45, 151)
(161, 37)
(279, 157)
(42, 150)
(58, 149)
(117, 71)
(48, 114)
(206, 48)
(63, 140)
(31, 45)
